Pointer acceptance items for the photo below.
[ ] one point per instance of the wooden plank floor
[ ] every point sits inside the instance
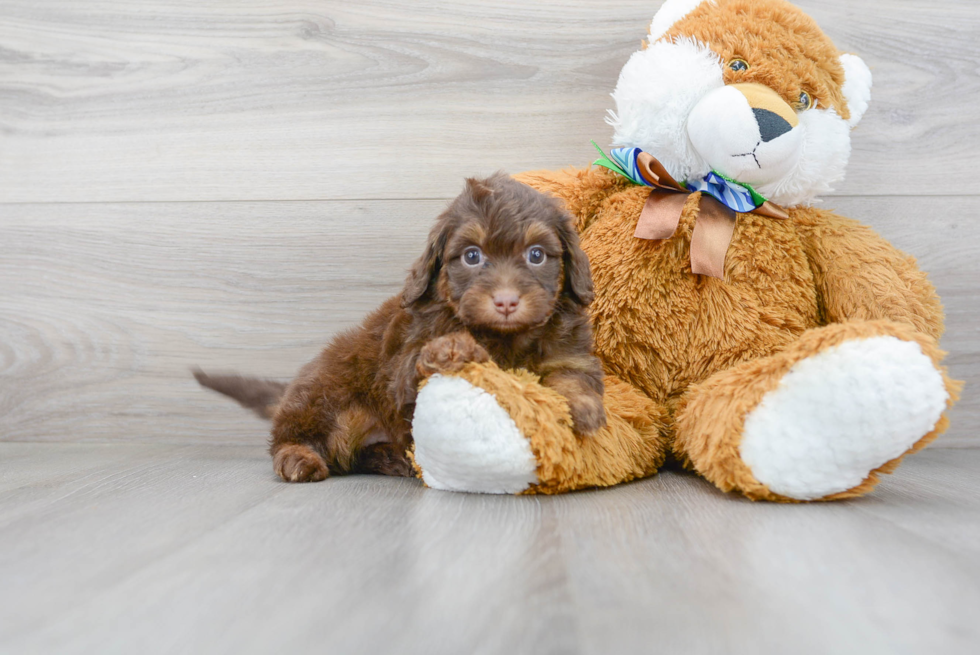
(198, 549)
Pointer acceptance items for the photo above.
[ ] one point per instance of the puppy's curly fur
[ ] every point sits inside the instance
(502, 278)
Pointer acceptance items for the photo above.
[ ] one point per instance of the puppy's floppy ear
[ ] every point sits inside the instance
(425, 269)
(578, 277)
(479, 190)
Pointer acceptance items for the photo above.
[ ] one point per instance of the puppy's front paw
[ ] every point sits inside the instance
(449, 353)
(299, 463)
(587, 412)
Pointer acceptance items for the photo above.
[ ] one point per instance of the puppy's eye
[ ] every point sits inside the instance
(738, 65)
(472, 256)
(804, 102)
(536, 256)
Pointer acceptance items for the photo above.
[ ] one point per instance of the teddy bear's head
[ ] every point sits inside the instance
(750, 89)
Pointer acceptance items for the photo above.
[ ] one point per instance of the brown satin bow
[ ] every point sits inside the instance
(714, 226)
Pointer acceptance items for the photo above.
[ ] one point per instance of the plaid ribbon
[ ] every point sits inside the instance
(734, 195)
(721, 200)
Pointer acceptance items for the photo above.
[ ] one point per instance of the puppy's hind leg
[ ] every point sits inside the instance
(359, 444)
(354, 442)
(299, 463)
(384, 458)
(300, 429)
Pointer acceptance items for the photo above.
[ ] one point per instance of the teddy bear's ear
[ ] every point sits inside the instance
(671, 12)
(857, 86)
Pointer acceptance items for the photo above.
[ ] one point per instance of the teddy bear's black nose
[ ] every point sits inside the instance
(771, 125)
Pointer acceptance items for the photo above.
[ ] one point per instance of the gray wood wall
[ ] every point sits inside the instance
(228, 184)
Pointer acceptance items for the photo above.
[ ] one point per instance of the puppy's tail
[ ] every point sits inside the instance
(260, 396)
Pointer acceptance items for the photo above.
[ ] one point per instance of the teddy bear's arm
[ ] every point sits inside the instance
(582, 190)
(859, 275)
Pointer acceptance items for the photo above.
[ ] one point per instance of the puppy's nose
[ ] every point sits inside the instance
(506, 301)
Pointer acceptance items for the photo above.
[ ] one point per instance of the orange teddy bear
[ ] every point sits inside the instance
(778, 350)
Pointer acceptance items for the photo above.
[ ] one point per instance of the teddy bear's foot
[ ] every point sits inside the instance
(486, 430)
(465, 441)
(821, 419)
(838, 415)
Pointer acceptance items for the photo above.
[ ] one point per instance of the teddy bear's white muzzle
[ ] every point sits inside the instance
(748, 144)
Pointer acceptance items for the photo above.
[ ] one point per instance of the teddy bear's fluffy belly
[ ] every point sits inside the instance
(662, 328)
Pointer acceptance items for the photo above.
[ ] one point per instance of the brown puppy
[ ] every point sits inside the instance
(502, 278)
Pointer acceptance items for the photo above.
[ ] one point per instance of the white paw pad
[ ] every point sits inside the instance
(465, 441)
(840, 414)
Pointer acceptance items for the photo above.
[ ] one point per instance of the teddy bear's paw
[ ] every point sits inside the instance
(840, 414)
(465, 441)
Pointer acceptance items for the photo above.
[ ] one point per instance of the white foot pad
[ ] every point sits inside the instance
(840, 414)
(465, 441)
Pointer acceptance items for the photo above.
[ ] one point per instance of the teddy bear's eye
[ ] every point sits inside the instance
(738, 65)
(805, 101)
